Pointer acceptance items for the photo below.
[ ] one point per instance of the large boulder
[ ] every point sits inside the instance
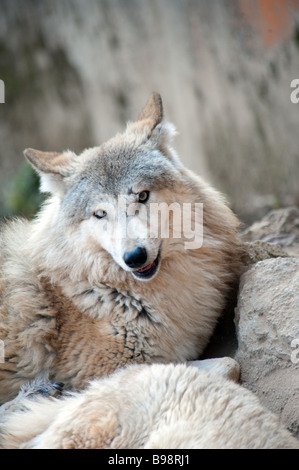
(267, 326)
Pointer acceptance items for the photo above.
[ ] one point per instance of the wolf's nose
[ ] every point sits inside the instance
(135, 258)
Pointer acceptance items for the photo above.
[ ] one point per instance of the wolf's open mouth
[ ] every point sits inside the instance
(149, 270)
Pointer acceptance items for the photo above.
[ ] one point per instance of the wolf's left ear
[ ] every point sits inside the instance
(148, 119)
(149, 127)
(52, 167)
(152, 113)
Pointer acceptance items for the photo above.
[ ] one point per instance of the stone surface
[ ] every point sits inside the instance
(267, 325)
(92, 65)
(258, 251)
(279, 227)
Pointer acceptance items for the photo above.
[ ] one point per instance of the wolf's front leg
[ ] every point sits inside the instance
(30, 390)
(29, 393)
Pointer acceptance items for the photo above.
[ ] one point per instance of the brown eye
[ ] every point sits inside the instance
(100, 214)
(143, 196)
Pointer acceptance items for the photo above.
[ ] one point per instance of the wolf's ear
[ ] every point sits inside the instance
(152, 113)
(149, 118)
(52, 167)
(148, 128)
(50, 162)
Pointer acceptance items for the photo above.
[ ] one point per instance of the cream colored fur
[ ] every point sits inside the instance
(153, 407)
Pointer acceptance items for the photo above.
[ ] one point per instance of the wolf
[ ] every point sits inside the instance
(152, 406)
(90, 285)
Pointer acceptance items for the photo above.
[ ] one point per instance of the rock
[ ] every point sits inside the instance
(279, 227)
(267, 326)
(259, 251)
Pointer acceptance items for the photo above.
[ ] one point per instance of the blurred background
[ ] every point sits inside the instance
(75, 71)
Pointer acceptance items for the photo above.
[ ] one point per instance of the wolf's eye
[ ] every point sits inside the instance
(100, 214)
(143, 196)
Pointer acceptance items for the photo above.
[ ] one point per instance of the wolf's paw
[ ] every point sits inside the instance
(44, 388)
(30, 391)
(224, 366)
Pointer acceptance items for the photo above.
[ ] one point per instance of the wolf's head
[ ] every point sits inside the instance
(112, 195)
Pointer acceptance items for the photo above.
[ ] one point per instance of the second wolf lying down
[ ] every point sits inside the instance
(78, 298)
(146, 406)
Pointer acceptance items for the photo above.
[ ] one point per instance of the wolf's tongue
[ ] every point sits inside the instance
(145, 268)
